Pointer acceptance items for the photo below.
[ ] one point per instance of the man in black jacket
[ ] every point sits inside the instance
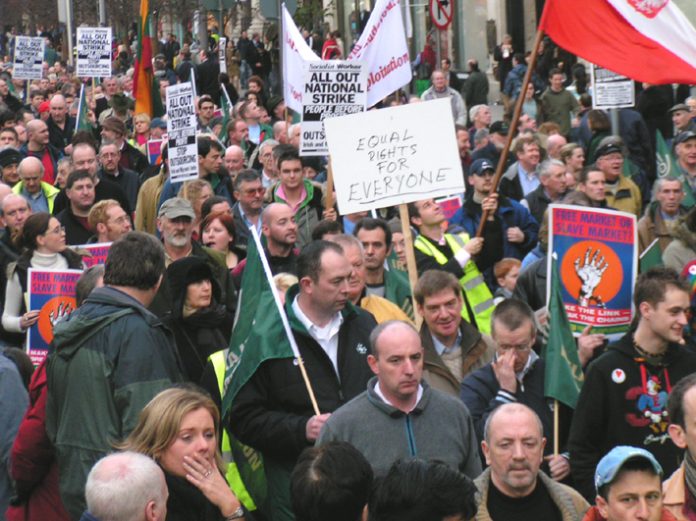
(624, 398)
(272, 412)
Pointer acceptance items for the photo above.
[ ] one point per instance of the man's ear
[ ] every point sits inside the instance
(676, 432)
(602, 506)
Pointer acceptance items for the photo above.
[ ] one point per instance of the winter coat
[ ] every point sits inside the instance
(682, 249)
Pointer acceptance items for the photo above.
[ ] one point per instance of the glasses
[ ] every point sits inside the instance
(254, 191)
(58, 230)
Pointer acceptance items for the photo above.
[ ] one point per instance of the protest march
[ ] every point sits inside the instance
(409, 262)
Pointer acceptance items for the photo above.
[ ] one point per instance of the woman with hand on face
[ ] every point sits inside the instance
(201, 325)
(42, 241)
(179, 430)
(217, 233)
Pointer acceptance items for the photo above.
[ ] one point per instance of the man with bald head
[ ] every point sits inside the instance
(280, 132)
(554, 143)
(14, 210)
(234, 160)
(38, 145)
(279, 228)
(61, 126)
(412, 419)
(39, 194)
(513, 486)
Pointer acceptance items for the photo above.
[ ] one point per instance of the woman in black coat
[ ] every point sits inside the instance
(198, 319)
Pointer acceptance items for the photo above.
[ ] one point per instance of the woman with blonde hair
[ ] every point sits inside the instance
(141, 131)
(179, 429)
(196, 192)
(573, 157)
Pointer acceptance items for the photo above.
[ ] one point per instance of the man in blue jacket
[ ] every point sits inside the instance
(510, 226)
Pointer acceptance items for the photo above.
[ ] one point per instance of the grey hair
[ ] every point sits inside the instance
(505, 408)
(545, 166)
(474, 110)
(268, 143)
(481, 134)
(120, 486)
(661, 181)
(344, 241)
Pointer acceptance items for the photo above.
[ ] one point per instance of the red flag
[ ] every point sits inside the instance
(143, 74)
(647, 40)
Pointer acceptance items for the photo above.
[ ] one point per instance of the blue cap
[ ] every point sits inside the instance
(611, 463)
(480, 165)
(158, 123)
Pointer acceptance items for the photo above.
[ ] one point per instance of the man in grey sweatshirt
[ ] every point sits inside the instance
(399, 415)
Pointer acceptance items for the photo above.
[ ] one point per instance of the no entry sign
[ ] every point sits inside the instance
(441, 12)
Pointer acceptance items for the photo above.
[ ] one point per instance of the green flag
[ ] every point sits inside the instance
(665, 160)
(564, 376)
(258, 335)
(82, 122)
(226, 109)
(651, 257)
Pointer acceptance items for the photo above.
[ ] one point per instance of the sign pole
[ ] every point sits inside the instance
(410, 259)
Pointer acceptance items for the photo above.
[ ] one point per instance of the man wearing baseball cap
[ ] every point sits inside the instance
(511, 231)
(175, 225)
(622, 193)
(9, 163)
(628, 484)
(685, 150)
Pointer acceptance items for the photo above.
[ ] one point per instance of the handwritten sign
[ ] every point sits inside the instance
(93, 52)
(98, 252)
(391, 156)
(181, 133)
(331, 89)
(28, 58)
(597, 262)
(52, 293)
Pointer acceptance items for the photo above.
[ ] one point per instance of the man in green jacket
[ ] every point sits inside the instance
(111, 357)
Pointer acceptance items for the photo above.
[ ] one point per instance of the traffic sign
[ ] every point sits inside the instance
(441, 12)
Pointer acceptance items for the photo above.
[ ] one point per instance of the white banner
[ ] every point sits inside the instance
(28, 58)
(222, 57)
(181, 133)
(331, 88)
(93, 52)
(295, 53)
(391, 156)
(383, 47)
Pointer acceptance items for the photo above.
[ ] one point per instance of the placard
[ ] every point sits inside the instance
(93, 52)
(154, 150)
(98, 251)
(52, 293)
(331, 88)
(611, 90)
(396, 155)
(222, 57)
(28, 58)
(181, 133)
(598, 263)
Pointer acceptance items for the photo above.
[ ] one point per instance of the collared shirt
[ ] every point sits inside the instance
(529, 181)
(419, 395)
(442, 348)
(265, 180)
(37, 201)
(248, 223)
(254, 133)
(303, 195)
(168, 260)
(326, 337)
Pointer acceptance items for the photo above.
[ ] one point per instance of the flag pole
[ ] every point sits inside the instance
(555, 428)
(329, 201)
(284, 319)
(513, 124)
(410, 259)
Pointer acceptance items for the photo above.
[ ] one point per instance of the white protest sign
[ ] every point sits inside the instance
(93, 52)
(222, 57)
(295, 53)
(331, 88)
(611, 90)
(181, 133)
(391, 156)
(28, 58)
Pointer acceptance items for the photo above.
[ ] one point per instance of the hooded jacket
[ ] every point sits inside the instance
(682, 249)
(111, 357)
(203, 333)
(623, 402)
